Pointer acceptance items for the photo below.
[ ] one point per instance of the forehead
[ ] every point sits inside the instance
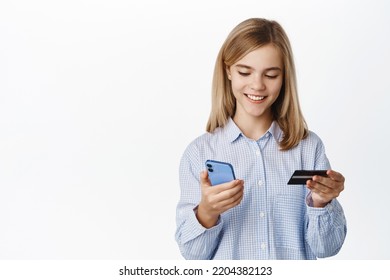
(267, 56)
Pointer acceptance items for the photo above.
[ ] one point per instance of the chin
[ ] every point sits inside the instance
(258, 114)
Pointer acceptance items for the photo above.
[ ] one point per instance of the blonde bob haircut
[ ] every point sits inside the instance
(248, 36)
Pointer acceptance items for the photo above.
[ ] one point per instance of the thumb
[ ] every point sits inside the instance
(204, 179)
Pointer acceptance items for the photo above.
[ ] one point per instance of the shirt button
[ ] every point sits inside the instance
(257, 152)
(263, 246)
(262, 214)
(259, 183)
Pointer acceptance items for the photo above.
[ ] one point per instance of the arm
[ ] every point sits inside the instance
(217, 199)
(325, 221)
(326, 228)
(195, 241)
(199, 224)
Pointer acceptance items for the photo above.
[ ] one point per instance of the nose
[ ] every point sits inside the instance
(257, 83)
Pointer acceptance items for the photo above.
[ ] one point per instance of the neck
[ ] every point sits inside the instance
(253, 127)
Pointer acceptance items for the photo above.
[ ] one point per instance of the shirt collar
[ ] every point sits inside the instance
(276, 131)
(233, 131)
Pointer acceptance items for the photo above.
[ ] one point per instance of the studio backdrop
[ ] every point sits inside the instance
(98, 100)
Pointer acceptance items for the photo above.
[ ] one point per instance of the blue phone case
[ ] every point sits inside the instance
(219, 172)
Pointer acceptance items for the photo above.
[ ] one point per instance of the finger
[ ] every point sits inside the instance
(229, 193)
(330, 183)
(217, 189)
(335, 175)
(205, 182)
(232, 201)
(317, 187)
(220, 202)
(324, 190)
(326, 181)
(321, 180)
(204, 179)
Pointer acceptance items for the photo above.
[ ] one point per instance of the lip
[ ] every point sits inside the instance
(255, 97)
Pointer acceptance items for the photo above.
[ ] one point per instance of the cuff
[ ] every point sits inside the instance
(331, 207)
(194, 228)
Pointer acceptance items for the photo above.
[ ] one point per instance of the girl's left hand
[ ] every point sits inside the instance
(324, 189)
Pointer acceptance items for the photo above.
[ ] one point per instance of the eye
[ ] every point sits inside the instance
(243, 73)
(271, 76)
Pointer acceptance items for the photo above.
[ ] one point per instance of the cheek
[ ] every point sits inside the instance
(276, 87)
(237, 85)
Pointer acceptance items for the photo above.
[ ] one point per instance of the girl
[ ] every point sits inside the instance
(256, 125)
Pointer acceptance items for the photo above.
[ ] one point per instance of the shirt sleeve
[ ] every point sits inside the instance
(326, 227)
(194, 240)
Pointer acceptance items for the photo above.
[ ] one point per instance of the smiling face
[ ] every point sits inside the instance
(256, 80)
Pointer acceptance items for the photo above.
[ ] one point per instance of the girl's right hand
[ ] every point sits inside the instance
(217, 199)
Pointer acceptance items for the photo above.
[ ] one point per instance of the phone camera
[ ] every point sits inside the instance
(209, 165)
(210, 169)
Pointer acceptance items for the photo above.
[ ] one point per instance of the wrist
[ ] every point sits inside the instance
(206, 218)
(313, 201)
(319, 204)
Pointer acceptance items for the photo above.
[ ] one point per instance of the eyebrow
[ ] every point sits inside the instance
(251, 68)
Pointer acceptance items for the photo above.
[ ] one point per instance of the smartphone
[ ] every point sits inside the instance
(219, 172)
(300, 177)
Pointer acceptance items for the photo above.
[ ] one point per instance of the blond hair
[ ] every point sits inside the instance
(250, 35)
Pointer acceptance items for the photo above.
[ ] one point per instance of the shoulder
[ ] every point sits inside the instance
(194, 154)
(312, 144)
(313, 151)
(312, 138)
(207, 145)
(196, 144)
(207, 139)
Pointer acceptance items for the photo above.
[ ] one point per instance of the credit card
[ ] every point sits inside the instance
(300, 177)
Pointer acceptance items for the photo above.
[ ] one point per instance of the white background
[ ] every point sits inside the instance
(98, 100)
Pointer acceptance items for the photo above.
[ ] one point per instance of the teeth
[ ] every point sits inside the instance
(255, 98)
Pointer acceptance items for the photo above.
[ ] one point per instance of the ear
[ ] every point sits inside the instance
(228, 73)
